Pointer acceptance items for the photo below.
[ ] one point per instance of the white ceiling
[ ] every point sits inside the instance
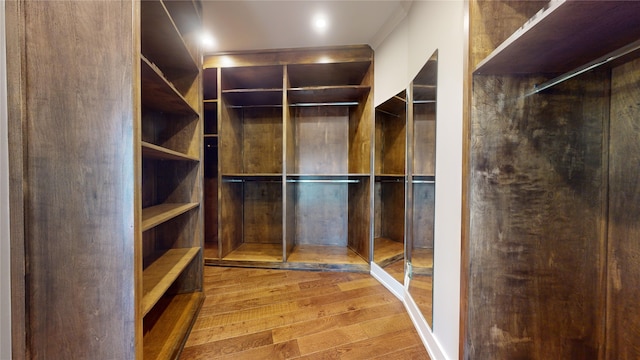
(266, 24)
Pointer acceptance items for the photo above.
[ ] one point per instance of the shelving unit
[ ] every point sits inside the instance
(549, 172)
(390, 180)
(171, 191)
(210, 85)
(105, 115)
(294, 130)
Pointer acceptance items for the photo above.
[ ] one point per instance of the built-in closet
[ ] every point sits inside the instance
(288, 151)
(106, 177)
(551, 267)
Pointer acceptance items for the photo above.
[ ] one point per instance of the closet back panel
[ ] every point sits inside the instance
(321, 140)
(424, 144)
(536, 232)
(321, 216)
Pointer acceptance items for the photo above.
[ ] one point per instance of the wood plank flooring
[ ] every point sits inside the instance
(285, 314)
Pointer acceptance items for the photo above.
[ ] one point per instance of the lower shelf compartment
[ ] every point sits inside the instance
(210, 249)
(166, 333)
(387, 251)
(159, 276)
(325, 255)
(422, 261)
(256, 252)
(302, 257)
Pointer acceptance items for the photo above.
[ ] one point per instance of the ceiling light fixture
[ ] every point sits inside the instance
(207, 41)
(320, 23)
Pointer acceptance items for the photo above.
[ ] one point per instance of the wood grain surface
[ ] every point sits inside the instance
(78, 123)
(536, 237)
(623, 282)
(279, 314)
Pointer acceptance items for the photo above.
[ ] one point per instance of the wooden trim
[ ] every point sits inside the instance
(339, 54)
(15, 36)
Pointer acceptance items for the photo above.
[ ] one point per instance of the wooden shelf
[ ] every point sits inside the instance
(210, 84)
(253, 176)
(325, 254)
(396, 106)
(327, 74)
(162, 43)
(210, 104)
(349, 95)
(166, 338)
(325, 177)
(563, 36)
(253, 97)
(424, 93)
(256, 252)
(159, 93)
(252, 77)
(161, 274)
(155, 215)
(172, 167)
(152, 151)
(186, 15)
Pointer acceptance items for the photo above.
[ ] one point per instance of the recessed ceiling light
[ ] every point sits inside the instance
(208, 41)
(320, 23)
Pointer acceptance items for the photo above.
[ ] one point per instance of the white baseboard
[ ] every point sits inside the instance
(388, 281)
(423, 329)
(402, 293)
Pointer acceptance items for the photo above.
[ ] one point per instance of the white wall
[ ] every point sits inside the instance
(431, 25)
(5, 279)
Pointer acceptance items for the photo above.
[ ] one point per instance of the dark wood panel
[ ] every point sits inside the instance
(15, 27)
(211, 210)
(623, 320)
(210, 84)
(424, 139)
(79, 207)
(327, 74)
(230, 226)
(362, 132)
(359, 206)
(390, 143)
(180, 133)
(423, 216)
(493, 21)
(252, 77)
(262, 140)
(170, 181)
(536, 237)
(549, 42)
(262, 215)
(322, 140)
(321, 216)
(390, 214)
(230, 140)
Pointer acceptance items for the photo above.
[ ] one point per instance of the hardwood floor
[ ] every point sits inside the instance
(285, 314)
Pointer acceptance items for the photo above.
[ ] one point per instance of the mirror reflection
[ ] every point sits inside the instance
(422, 182)
(390, 180)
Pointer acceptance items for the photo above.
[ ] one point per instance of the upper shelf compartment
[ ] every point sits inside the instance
(163, 45)
(564, 35)
(328, 82)
(327, 74)
(252, 86)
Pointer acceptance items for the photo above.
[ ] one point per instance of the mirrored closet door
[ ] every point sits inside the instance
(421, 185)
(390, 185)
